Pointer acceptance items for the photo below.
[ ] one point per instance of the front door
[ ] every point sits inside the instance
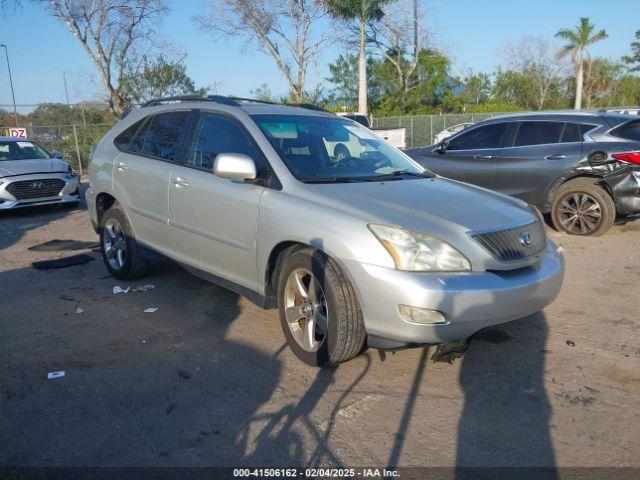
(470, 156)
(214, 220)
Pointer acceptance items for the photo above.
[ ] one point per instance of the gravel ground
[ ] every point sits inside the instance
(206, 379)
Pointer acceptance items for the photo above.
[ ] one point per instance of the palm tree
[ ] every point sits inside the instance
(362, 11)
(578, 40)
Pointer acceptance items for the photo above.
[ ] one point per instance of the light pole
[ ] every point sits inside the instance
(13, 96)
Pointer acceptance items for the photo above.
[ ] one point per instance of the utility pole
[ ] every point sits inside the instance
(66, 88)
(13, 96)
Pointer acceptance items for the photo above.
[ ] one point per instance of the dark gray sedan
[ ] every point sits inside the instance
(581, 167)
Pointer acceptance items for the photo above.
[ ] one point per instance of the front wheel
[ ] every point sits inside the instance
(319, 313)
(582, 207)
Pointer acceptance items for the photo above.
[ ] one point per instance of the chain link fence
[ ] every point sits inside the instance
(71, 130)
(421, 130)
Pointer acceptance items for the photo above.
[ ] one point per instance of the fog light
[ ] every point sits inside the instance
(422, 316)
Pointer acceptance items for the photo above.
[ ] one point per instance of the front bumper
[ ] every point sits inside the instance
(67, 193)
(469, 301)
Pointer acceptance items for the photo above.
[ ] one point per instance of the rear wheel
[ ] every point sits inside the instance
(582, 207)
(319, 312)
(120, 250)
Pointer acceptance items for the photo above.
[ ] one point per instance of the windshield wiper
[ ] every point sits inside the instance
(399, 173)
(332, 180)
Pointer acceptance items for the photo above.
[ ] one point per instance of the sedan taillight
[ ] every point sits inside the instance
(628, 157)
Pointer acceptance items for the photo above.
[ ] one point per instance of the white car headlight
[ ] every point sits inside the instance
(419, 252)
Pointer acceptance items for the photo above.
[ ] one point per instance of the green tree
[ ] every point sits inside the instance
(578, 41)
(362, 11)
(633, 60)
(156, 78)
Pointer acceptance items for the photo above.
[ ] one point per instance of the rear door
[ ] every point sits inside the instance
(469, 156)
(142, 172)
(214, 220)
(542, 152)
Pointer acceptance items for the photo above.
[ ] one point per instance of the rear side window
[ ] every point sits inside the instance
(630, 130)
(138, 140)
(123, 140)
(163, 138)
(488, 136)
(215, 134)
(571, 133)
(538, 133)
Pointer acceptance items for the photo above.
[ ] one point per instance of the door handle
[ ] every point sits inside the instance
(122, 166)
(179, 182)
(556, 156)
(483, 157)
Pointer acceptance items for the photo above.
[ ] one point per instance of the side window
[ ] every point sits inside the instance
(138, 141)
(123, 140)
(164, 135)
(571, 133)
(630, 130)
(488, 136)
(215, 134)
(538, 133)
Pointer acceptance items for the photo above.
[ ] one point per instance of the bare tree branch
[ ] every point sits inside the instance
(285, 30)
(536, 58)
(108, 30)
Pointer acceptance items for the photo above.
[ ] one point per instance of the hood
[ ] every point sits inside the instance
(25, 167)
(427, 204)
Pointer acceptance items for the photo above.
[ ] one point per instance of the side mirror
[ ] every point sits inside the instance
(442, 147)
(56, 155)
(235, 166)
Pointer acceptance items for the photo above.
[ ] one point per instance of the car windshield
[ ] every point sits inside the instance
(332, 150)
(21, 150)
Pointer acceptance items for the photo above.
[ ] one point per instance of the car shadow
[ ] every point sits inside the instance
(14, 224)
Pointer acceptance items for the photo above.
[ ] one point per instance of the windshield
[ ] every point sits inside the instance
(321, 149)
(18, 150)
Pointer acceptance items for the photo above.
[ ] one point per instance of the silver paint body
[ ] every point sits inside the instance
(229, 229)
(37, 169)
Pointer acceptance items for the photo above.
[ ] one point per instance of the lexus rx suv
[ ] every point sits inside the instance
(366, 248)
(582, 168)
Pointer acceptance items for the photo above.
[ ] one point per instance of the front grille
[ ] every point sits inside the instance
(26, 189)
(514, 243)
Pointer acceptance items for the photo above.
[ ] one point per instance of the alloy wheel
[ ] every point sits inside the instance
(114, 244)
(579, 213)
(306, 309)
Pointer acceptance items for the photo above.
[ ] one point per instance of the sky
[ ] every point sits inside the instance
(472, 32)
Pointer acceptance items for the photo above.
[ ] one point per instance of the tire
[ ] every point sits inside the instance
(115, 233)
(344, 334)
(582, 207)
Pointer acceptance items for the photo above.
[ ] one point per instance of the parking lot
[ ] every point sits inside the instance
(206, 380)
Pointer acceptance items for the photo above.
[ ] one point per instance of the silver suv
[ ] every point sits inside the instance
(365, 248)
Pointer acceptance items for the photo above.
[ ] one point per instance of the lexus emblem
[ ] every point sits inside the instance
(37, 185)
(525, 239)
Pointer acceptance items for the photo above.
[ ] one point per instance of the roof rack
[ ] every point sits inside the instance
(192, 98)
(253, 100)
(233, 101)
(308, 106)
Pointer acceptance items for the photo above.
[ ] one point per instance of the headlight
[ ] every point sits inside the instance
(419, 252)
